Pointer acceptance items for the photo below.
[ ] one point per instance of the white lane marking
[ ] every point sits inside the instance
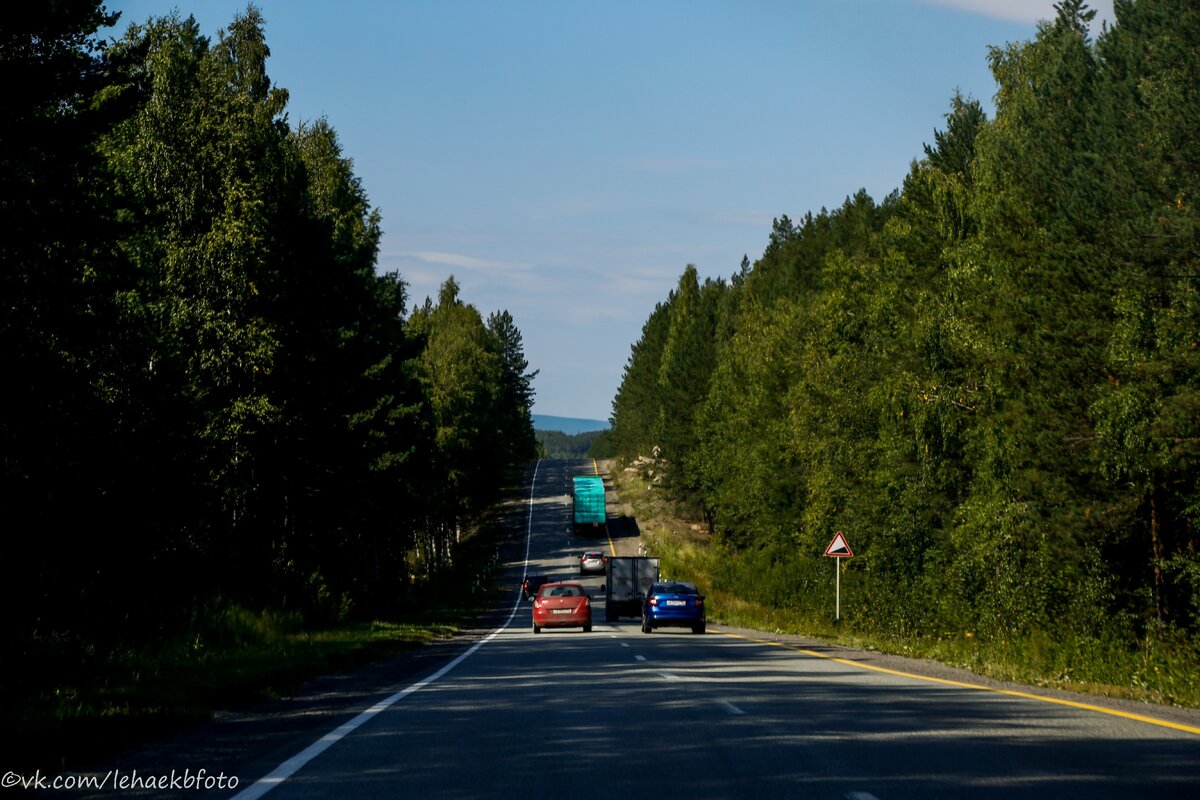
(860, 796)
(293, 764)
(670, 677)
(730, 707)
(624, 644)
(639, 658)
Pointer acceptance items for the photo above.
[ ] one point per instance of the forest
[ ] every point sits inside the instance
(588, 444)
(989, 379)
(214, 395)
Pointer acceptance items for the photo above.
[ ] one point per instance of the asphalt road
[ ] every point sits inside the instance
(617, 714)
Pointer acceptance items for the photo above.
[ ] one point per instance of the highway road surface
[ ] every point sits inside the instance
(619, 715)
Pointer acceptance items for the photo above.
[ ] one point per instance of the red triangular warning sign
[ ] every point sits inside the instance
(838, 548)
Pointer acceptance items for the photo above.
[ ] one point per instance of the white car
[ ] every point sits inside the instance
(592, 561)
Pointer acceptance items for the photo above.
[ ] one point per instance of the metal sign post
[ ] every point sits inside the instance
(837, 550)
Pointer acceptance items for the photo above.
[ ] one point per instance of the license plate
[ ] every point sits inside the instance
(562, 611)
(677, 602)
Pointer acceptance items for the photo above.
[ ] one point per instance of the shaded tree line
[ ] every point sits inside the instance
(587, 444)
(990, 380)
(211, 391)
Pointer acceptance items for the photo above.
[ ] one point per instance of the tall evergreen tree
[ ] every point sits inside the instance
(517, 385)
(463, 377)
(688, 359)
(1146, 414)
(635, 408)
(61, 430)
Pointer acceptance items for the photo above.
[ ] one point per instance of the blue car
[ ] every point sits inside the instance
(675, 604)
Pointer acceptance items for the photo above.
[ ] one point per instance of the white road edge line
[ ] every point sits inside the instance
(730, 707)
(292, 765)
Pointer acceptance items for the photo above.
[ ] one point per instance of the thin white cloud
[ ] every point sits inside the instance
(1026, 11)
(465, 262)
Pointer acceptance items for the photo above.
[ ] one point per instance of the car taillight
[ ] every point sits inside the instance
(653, 601)
(699, 601)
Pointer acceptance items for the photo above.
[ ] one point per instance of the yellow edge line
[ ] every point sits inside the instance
(611, 547)
(1025, 695)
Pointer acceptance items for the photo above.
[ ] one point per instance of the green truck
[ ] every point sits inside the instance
(589, 513)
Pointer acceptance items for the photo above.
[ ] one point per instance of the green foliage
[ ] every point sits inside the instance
(989, 380)
(688, 359)
(516, 401)
(636, 410)
(602, 445)
(213, 390)
(226, 656)
(556, 444)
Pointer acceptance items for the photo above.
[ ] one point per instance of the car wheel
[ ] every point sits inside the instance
(646, 625)
(698, 628)
(587, 628)
(536, 629)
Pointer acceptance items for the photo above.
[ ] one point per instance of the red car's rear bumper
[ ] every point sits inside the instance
(546, 618)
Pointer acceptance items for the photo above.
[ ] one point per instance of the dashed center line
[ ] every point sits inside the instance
(639, 658)
(670, 677)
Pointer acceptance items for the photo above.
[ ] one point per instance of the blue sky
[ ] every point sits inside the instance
(566, 160)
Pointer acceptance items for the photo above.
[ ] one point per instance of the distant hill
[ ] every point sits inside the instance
(569, 425)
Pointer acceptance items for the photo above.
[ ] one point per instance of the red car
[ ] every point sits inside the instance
(562, 605)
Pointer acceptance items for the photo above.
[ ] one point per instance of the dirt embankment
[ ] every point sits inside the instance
(624, 535)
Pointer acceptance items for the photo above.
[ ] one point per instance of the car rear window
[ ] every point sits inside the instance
(561, 591)
(674, 588)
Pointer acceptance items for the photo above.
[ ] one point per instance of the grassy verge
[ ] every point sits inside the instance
(1161, 669)
(99, 701)
(72, 702)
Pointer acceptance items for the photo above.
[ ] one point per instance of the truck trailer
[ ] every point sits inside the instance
(588, 503)
(628, 579)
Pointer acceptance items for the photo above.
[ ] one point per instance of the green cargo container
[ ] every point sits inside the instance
(590, 516)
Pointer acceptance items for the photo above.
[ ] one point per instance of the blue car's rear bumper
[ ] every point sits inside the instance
(683, 617)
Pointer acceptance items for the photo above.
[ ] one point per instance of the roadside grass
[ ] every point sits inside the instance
(72, 702)
(1157, 669)
(99, 701)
